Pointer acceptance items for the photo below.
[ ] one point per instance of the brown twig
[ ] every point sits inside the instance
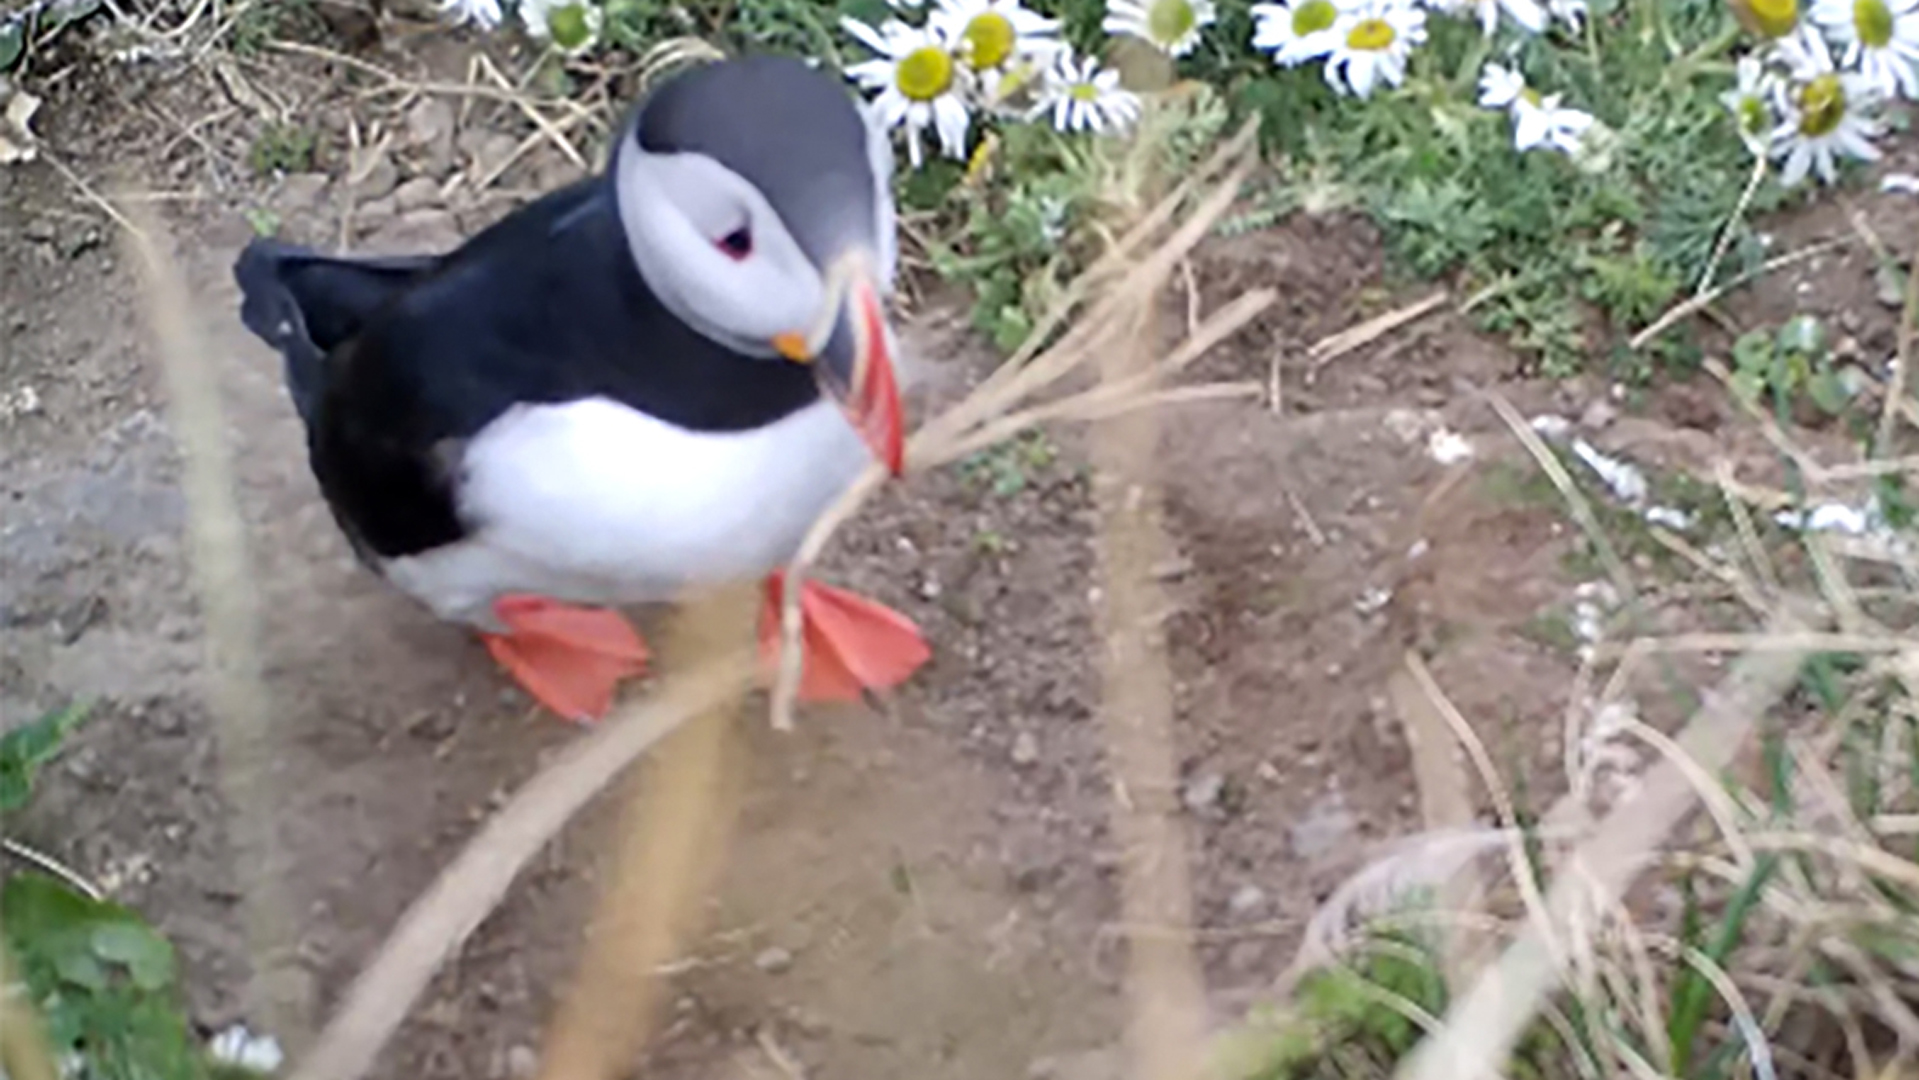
(1692, 305)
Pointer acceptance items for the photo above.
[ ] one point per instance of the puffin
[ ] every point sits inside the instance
(651, 380)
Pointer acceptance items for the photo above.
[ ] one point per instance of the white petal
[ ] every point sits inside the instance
(1798, 161)
(1526, 13)
(950, 120)
(865, 35)
(1529, 128)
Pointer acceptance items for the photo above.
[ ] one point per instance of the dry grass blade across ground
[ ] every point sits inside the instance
(1671, 917)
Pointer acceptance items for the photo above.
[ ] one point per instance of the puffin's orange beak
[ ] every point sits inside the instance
(856, 366)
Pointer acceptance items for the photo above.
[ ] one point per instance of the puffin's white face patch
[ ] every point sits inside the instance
(717, 255)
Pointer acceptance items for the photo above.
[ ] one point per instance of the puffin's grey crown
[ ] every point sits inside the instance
(789, 130)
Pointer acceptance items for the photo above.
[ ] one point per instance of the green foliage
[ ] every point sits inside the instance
(1776, 367)
(1351, 1021)
(1007, 469)
(282, 148)
(104, 981)
(262, 21)
(28, 747)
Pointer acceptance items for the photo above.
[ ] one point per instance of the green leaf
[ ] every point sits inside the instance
(13, 42)
(24, 749)
(1828, 391)
(146, 955)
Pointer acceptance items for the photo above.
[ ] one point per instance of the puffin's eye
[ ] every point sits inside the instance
(737, 244)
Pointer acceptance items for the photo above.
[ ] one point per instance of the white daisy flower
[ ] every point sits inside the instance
(1570, 12)
(1171, 26)
(1750, 102)
(1082, 96)
(1784, 31)
(1527, 13)
(486, 13)
(1824, 114)
(1295, 31)
(920, 85)
(996, 37)
(1881, 39)
(1537, 120)
(572, 26)
(1371, 41)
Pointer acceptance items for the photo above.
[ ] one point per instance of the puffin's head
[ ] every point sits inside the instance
(756, 199)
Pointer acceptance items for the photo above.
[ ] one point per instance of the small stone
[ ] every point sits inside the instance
(486, 150)
(417, 193)
(303, 191)
(430, 131)
(371, 173)
(1202, 792)
(773, 961)
(1247, 958)
(1025, 748)
(522, 1062)
(1246, 899)
(376, 212)
(1325, 828)
(417, 230)
(1598, 415)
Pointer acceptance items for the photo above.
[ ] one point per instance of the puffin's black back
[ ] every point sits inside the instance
(397, 363)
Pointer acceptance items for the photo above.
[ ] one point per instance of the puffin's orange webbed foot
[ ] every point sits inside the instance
(569, 658)
(852, 644)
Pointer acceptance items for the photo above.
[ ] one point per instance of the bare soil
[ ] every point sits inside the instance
(926, 890)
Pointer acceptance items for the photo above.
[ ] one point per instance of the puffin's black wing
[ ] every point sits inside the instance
(306, 305)
(397, 363)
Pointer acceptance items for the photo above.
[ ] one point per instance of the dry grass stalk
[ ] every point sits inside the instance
(1167, 998)
(24, 1054)
(1124, 283)
(250, 762)
(672, 838)
(1485, 1023)
(1445, 796)
(468, 890)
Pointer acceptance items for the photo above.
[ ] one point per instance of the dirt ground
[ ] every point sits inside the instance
(926, 890)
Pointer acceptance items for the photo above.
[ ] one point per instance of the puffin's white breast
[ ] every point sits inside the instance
(594, 502)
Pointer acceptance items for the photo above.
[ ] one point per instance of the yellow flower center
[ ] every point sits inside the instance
(988, 40)
(1873, 20)
(1313, 16)
(924, 74)
(569, 26)
(1774, 18)
(1752, 114)
(1371, 35)
(1531, 97)
(1085, 91)
(1822, 105)
(1169, 21)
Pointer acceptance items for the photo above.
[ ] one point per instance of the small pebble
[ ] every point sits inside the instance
(1025, 748)
(1247, 899)
(1202, 792)
(522, 1062)
(773, 961)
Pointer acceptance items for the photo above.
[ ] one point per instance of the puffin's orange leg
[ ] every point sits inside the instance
(851, 643)
(569, 658)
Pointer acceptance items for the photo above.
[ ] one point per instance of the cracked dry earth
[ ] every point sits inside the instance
(923, 890)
